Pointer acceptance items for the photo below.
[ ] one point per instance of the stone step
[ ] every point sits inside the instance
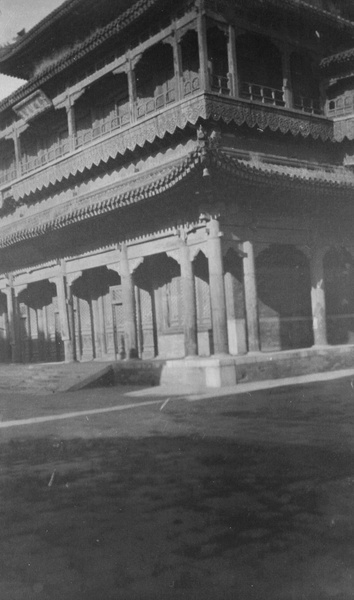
(42, 378)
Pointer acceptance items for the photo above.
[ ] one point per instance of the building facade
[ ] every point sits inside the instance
(177, 181)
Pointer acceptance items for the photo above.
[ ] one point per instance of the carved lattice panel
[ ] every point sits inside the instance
(148, 333)
(86, 329)
(203, 303)
(171, 300)
(108, 317)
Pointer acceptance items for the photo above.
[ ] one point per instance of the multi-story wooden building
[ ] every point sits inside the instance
(176, 181)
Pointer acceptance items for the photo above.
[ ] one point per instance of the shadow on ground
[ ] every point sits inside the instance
(185, 517)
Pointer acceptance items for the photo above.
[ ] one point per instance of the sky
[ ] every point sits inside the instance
(16, 15)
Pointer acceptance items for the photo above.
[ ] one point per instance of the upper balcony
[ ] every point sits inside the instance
(245, 69)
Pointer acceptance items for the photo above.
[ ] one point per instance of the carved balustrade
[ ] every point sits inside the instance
(306, 104)
(264, 94)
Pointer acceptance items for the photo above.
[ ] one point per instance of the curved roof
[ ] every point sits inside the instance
(340, 59)
(76, 20)
(72, 22)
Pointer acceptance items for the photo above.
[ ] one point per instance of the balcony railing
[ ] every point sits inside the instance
(220, 84)
(101, 128)
(260, 93)
(156, 103)
(45, 156)
(306, 104)
(341, 106)
(191, 85)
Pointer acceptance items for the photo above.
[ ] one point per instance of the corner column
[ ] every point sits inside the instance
(203, 47)
(217, 288)
(189, 303)
(251, 299)
(318, 300)
(128, 298)
(232, 58)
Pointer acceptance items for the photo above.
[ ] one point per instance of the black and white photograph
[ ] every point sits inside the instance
(177, 300)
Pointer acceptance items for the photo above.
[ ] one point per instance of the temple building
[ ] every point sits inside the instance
(176, 182)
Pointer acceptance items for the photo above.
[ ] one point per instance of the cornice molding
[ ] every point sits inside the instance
(201, 107)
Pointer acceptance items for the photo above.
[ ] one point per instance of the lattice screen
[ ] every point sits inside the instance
(203, 303)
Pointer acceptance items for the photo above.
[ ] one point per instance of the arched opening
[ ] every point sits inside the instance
(45, 139)
(155, 79)
(159, 307)
(339, 294)
(98, 314)
(305, 83)
(204, 323)
(7, 161)
(218, 61)
(190, 62)
(39, 323)
(103, 108)
(284, 295)
(235, 302)
(259, 67)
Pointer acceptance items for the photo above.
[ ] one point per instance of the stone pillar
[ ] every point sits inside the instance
(128, 299)
(318, 300)
(189, 303)
(63, 306)
(203, 49)
(217, 288)
(251, 299)
(233, 77)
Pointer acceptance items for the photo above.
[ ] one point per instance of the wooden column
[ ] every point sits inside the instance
(17, 146)
(63, 305)
(287, 85)
(70, 112)
(128, 298)
(203, 48)
(217, 288)
(12, 319)
(102, 325)
(251, 299)
(177, 61)
(131, 90)
(231, 48)
(318, 300)
(189, 303)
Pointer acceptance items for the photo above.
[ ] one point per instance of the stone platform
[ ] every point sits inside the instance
(197, 373)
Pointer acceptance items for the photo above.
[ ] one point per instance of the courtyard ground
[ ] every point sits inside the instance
(244, 496)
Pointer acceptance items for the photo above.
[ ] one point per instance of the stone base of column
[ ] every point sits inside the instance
(199, 373)
(68, 351)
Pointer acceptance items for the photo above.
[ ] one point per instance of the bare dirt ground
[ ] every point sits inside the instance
(240, 497)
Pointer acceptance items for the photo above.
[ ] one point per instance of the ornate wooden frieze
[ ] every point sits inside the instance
(344, 129)
(32, 106)
(268, 117)
(201, 106)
